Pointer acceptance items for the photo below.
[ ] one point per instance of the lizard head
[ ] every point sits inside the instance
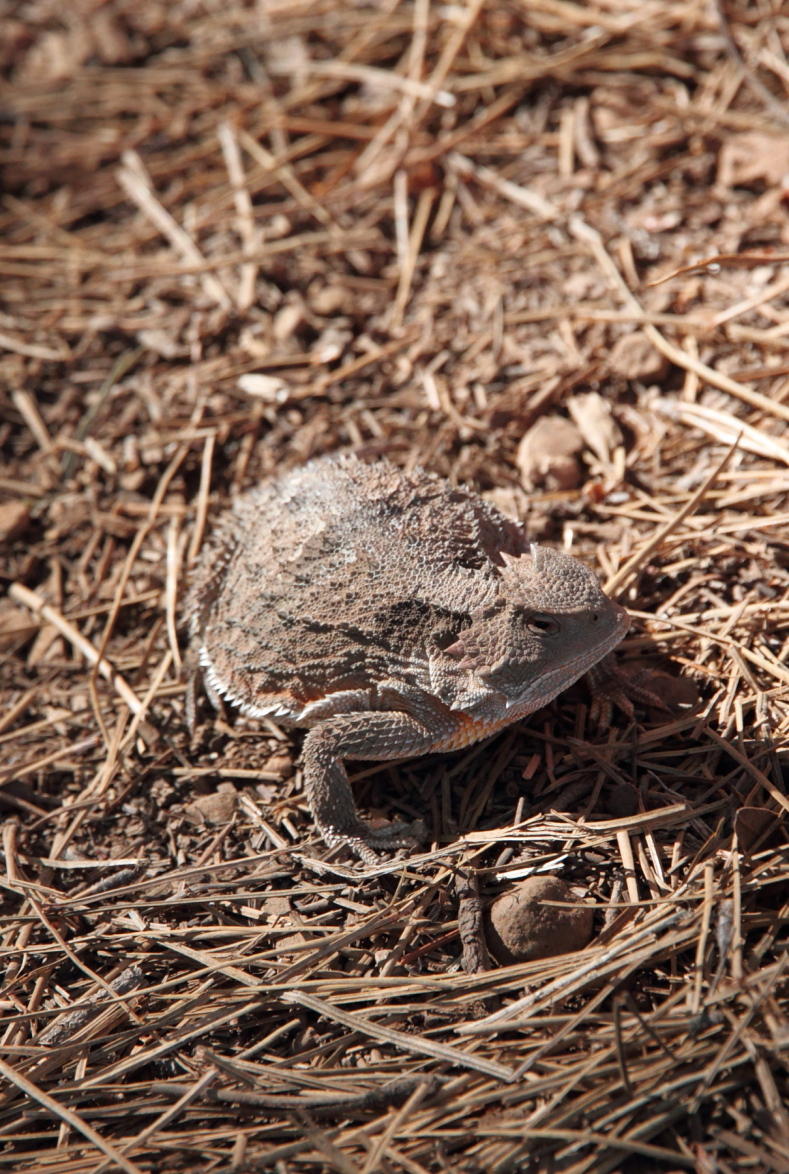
(549, 625)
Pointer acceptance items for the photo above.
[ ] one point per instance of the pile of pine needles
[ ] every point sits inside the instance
(236, 236)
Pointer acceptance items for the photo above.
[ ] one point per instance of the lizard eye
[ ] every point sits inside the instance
(543, 625)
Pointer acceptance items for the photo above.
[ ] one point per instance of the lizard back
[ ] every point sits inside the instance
(337, 575)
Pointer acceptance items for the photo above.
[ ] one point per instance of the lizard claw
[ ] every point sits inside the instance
(611, 686)
(371, 841)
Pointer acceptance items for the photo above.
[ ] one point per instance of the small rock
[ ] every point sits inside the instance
(14, 517)
(519, 928)
(287, 320)
(278, 226)
(331, 344)
(266, 387)
(291, 942)
(217, 808)
(547, 455)
(634, 357)
(131, 482)
(328, 300)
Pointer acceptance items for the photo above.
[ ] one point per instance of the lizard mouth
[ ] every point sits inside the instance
(611, 639)
(566, 674)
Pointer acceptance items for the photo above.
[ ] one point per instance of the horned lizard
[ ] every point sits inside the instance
(392, 614)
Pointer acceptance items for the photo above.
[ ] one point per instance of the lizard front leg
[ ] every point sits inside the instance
(381, 734)
(610, 686)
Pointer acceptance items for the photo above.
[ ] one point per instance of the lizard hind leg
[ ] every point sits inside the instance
(375, 734)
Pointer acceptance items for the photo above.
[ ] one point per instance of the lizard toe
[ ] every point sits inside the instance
(611, 686)
(368, 842)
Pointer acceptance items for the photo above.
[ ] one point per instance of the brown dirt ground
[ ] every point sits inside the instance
(233, 237)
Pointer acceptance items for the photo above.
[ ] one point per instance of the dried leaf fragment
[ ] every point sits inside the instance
(217, 808)
(14, 517)
(751, 156)
(601, 433)
(634, 357)
(548, 454)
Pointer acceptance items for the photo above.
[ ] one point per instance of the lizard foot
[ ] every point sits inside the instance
(368, 842)
(612, 686)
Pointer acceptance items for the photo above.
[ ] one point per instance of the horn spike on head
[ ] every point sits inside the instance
(541, 556)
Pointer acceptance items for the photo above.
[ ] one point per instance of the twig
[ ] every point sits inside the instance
(153, 689)
(701, 945)
(759, 88)
(752, 770)
(23, 401)
(164, 1119)
(407, 1043)
(472, 935)
(63, 1114)
(36, 604)
(135, 181)
(246, 224)
(171, 591)
(138, 540)
(17, 709)
(286, 175)
(726, 428)
(524, 197)
(582, 231)
(32, 350)
(416, 235)
(19, 772)
(395, 1125)
(201, 509)
(628, 863)
(122, 365)
(635, 562)
(371, 76)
